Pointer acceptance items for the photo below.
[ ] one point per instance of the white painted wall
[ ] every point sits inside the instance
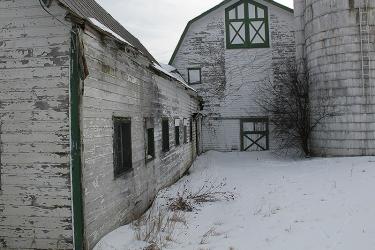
(35, 195)
(231, 76)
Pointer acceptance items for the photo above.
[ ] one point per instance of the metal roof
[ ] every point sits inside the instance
(87, 9)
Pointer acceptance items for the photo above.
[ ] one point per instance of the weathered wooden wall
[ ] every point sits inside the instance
(35, 196)
(121, 84)
(231, 76)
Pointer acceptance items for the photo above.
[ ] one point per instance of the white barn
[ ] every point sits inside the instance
(225, 53)
(81, 155)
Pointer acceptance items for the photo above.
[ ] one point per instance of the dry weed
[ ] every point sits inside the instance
(157, 226)
(208, 192)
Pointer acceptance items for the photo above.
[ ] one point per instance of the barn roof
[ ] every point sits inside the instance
(211, 10)
(91, 10)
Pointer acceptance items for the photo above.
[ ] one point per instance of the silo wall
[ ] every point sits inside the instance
(328, 40)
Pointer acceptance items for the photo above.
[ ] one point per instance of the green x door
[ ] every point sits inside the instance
(254, 134)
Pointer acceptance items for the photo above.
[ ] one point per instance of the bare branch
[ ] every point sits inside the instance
(288, 103)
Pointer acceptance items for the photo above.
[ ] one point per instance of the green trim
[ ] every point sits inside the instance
(211, 10)
(247, 23)
(75, 149)
(200, 75)
(265, 133)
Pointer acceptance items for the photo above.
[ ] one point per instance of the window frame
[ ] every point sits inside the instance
(247, 22)
(200, 75)
(148, 145)
(118, 170)
(149, 124)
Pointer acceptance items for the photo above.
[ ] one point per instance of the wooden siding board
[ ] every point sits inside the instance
(35, 199)
(18, 190)
(35, 243)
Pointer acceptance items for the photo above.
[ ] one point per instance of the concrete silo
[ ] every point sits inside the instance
(335, 39)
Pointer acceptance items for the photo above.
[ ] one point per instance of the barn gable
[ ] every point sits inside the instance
(223, 3)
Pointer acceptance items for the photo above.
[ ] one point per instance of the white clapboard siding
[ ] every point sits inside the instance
(35, 195)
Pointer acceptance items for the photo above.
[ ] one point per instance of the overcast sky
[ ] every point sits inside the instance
(158, 24)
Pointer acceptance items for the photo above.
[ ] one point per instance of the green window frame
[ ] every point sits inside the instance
(247, 25)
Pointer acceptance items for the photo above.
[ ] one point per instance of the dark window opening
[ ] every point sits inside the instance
(185, 134)
(149, 139)
(165, 135)
(177, 135)
(150, 144)
(122, 145)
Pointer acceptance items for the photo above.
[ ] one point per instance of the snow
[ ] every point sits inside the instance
(291, 204)
(108, 30)
(172, 72)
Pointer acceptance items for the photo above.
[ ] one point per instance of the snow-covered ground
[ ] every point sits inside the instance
(281, 204)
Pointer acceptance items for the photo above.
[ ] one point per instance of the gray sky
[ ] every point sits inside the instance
(158, 24)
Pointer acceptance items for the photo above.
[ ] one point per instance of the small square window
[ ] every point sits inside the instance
(194, 76)
(122, 145)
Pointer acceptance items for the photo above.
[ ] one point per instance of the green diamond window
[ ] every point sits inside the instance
(247, 25)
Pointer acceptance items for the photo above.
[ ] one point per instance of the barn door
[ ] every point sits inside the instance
(254, 134)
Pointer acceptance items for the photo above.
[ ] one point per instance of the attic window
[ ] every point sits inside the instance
(194, 76)
(247, 25)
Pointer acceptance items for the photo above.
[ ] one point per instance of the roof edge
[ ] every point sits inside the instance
(85, 9)
(208, 12)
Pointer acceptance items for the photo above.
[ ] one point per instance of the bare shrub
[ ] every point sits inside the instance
(287, 101)
(187, 199)
(157, 226)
